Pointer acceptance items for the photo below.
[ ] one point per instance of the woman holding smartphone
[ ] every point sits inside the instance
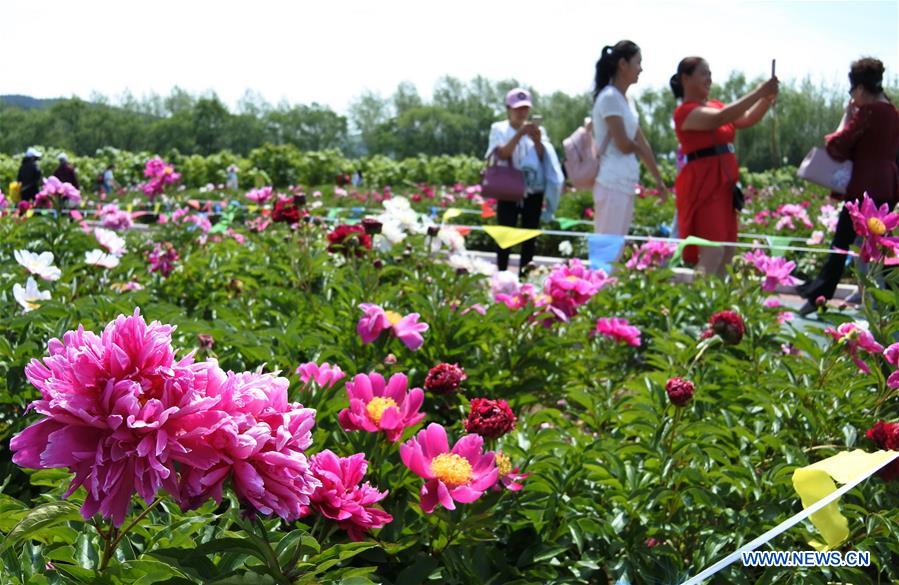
(620, 140)
(524, 143)
(705, 186)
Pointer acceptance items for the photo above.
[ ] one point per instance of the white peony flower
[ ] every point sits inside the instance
(449, 238)
(110, 240)
(40, 264)
(566, 248)
(100, 258)
(29, 296)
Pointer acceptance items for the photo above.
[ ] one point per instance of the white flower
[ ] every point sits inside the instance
(472, 264)
(29, 296)
(40, 264)
(565, 247)
(110, 240)
(100, 258)
(816, 238)
(504, 282)
(449, 237)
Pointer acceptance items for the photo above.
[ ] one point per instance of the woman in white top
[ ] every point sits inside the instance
(616, 130)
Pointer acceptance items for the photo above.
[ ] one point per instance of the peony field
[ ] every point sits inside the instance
(314, 379)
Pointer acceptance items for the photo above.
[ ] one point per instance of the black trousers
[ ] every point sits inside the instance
(507, 213)
(825, 284)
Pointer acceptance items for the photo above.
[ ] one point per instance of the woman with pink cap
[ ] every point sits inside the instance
(526, 145)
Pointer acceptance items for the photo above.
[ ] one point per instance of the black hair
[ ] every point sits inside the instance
(686, 66)
(608, 63)
(868, 73)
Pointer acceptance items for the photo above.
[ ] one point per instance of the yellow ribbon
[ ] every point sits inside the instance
(451, 213)
(506, 237)
(816, 481)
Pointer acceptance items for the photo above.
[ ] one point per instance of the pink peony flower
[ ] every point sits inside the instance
(260, 195)
(458, 475)
(255, 437)
(778, 271)
(161, 175)
(650, 254)
(341, 498)
(855, 338)
(162, 258)
(378, 406)
(891, 354)
(790, 212)
(376, 320)
(325, 375)
(872, 224)
(509, 477)
(113, 218)
(54, 190)
(619, 330)
(114, 407)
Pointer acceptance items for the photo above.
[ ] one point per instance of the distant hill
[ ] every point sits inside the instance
(27, 102)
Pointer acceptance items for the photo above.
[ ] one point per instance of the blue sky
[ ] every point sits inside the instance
(329, 52)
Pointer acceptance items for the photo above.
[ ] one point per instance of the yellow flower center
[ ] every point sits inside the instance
(393, 317)
(377, 406)
(571, 278)
(32, 305)
(168, 170)
(503, 463)
(876, 226)
(453, 470)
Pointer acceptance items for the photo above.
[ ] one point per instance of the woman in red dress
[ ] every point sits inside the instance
(705, 129)
(869, 137)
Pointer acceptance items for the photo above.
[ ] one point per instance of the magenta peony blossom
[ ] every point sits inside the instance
(115, 408)
(872, 224)
(618, 329)
(160, 175)
(260, 195)
(325, 375)
(458, 475)
(891, 354)
(571, 285)
(378, 406)
(162, 258)
(652, 253)
(509, 477)
(376, 320)
(777, 270)
(855, 338)
(54, 190)
(252, 435)
(341, 498)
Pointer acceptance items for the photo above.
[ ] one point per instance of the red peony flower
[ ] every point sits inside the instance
(490, 418)
(680, 391)
(886, 436)
(349, 240)
(729, 326)
(286, 210)
(445, 378)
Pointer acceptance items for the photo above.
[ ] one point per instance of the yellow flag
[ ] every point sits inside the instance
(156, 208)
(29, 213)
(252, 208)
(816, 481)
(506, 237)
(130, 207)
(451, 213)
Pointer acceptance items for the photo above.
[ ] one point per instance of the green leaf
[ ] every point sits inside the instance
(43, 516)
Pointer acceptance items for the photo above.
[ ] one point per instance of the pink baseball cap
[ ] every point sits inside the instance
(518, 97)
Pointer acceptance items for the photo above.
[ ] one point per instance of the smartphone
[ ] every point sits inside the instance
(537, 119)
(773, 62)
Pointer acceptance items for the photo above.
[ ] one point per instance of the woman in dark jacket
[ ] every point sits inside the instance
(30, 175)
(869, 137)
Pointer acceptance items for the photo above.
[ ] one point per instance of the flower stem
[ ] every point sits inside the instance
(110, 547)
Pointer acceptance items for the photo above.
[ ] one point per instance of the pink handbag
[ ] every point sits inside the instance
(819, 168)
(582, 158)
(503, 183)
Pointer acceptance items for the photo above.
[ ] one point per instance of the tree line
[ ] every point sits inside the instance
(456, 120)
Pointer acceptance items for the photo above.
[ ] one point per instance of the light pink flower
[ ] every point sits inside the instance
(376, 405)
(55, 189)
(618, 329)
(325, 375)
(778, 271)
(376, 320)
(341, 498)
(458, 475)
(855, 338)
(872, 224)
(111, 241)
(114, 218)
(790, 212)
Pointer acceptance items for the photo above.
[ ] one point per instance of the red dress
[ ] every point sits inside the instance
(704, 187)
(870, 140)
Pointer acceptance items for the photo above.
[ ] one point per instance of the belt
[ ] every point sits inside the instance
(713, 151)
